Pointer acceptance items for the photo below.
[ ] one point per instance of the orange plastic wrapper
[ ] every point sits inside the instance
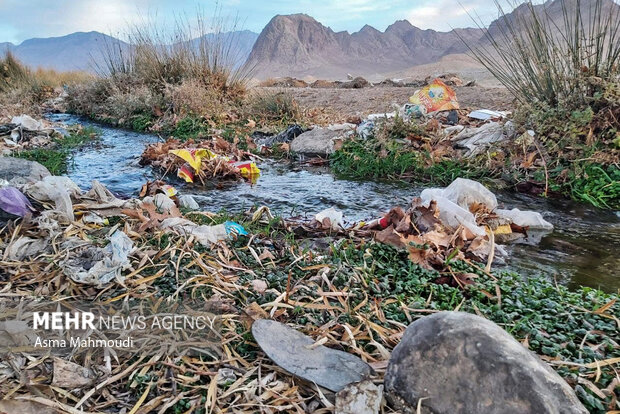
(437, 96)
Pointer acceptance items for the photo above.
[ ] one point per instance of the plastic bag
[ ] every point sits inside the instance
(108, 261)
(206, 235)
(531, 219)
(452, 215)
(57, 189)
(334, 216)
(248, 169)
(14, 202)
(187, 201)
(437, 96)
(464, 192)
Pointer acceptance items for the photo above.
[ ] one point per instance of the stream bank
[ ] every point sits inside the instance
(581, 251)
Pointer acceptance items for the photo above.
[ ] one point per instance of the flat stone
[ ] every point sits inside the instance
(292, 351)
(462, 363)
(319, 141)
(19, 172)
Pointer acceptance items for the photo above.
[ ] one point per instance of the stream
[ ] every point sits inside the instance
(582, 249)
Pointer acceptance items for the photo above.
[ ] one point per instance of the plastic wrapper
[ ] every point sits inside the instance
(437, 96)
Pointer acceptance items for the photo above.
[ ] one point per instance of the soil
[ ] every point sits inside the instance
(346, 103)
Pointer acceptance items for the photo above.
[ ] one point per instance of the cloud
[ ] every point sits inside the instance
(447, 14)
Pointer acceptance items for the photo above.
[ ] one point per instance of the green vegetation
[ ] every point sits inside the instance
(57, 156)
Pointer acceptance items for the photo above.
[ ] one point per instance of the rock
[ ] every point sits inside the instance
(19, 172)
(359, 398)
(27, 122)
(297, 354)
(357, 83)
(462, 363)
(70, 375)
(320, 141)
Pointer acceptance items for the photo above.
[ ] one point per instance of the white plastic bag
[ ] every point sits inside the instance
(57, 189)
(206, 235)
(452, 215)
(334, 216)
(530, 219)
(465, 192)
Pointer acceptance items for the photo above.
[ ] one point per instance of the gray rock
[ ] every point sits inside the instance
(320, 141)
(292, 351)
(462, 363)
(19, 172)
(359, 398)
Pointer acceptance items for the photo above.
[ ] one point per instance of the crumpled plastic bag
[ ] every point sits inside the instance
(437, 96)
(334, 216)
(531, 219)
(478, 139)
(162, 202)
(187, 201)
(26, 247)
(452, 215)
(57, 189)
(206, 235)
(465, 192)
(366, 129)
(14, 202)
(97, 266)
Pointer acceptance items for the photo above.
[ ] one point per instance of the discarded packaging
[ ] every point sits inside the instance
(330, 218)
(477, 140)
(465, 192)
(248, 169)
(57, 189)
(486, 114)
(302, 357)
(193, 156)
(366, 129)
(235, 229)
(186, 173)
(97, 266)
(437, 96)
(188, 202)
(530, 219)
(14, 202)
(206, 235)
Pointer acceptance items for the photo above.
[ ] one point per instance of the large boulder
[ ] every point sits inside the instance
(19, 172)
(462, 363)
(320, 141)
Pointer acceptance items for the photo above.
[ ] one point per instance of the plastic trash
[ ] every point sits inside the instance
(97, 266)
(452, 215)
(193, 156)
(162, 202)
(188, 202)
(334, 216)
(26, 247)
(235, 229)
(415, 111)
(366, 129)
(486, 114)
(57, 189)
(464, 192)
(14, 202)
(169, 190)
(248, 169)
(530, 219)
(206, 235)
(478, 139)
(437, 96)
(186, 173)
(289, 134)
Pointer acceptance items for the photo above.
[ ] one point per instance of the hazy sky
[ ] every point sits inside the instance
(24, 19)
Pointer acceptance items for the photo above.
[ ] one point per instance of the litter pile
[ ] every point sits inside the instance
(24, 132)
(201, 161)
(353, 303)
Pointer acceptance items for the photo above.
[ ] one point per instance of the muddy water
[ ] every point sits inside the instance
(582, 250)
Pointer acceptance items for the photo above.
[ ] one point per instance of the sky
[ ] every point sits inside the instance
(25, 19)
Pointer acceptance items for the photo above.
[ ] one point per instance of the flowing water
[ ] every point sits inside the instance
(582, 250)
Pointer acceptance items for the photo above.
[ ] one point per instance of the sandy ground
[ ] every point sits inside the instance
(360, 102)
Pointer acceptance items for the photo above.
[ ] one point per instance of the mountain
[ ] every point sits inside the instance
(237, 44)
(86, 51)
(76, 51)
(298, 45)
